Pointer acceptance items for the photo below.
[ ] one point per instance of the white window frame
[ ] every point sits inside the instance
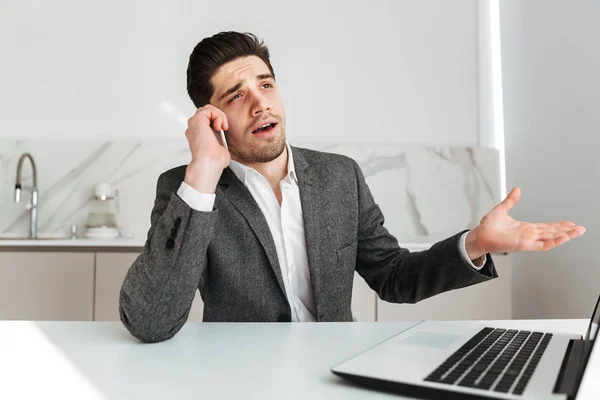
(489, 59)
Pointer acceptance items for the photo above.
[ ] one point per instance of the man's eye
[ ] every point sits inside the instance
(267, 84)
(233, 98)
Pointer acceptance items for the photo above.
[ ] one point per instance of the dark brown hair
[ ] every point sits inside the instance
(212, 52)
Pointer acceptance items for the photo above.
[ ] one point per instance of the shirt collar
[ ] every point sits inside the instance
(241, 171)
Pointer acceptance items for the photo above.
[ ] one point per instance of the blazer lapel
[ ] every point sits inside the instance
(239, 196)
(309, 198)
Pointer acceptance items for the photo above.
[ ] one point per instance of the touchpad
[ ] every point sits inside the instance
(434, 340)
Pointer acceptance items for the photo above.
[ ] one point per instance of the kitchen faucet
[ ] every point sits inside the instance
(34, 194)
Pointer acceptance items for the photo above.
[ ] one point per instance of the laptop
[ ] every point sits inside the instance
(470, 360)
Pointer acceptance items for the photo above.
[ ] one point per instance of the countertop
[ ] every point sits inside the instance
(102, 361)
(73, 245)
(112, 245)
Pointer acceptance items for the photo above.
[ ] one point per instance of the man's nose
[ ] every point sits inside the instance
(261, 105)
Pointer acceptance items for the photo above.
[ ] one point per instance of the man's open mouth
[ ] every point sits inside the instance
(265, 128)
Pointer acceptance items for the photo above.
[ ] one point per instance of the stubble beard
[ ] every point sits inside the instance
(261, 153)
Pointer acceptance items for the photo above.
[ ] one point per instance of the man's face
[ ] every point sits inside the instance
(245, 91)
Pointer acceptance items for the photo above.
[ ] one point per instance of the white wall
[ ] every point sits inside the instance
(361, 71)
(551, 64)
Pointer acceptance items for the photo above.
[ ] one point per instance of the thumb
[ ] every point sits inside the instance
(510, 200)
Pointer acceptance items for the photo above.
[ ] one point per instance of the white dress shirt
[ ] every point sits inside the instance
(286, 224)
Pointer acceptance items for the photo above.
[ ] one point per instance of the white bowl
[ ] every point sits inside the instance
(102, 233)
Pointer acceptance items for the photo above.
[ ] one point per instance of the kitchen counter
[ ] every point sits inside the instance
(112, 245)
(73, 245)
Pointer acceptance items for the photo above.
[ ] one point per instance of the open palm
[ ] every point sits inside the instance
(498, 232)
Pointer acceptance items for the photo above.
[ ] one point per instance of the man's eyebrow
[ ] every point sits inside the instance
(238, 85)
(264, 76)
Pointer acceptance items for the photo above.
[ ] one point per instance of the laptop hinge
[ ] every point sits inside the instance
(572, 367)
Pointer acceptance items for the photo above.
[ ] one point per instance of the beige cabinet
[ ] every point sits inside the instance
(85, 287)
(363, 300)
(487, 300)
(110, 272)
(46, 286)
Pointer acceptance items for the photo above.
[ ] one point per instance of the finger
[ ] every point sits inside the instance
(560, 240)
(201, 110)
(225, 126)
(206, 113)
(223, 119)
(219, 120)
(546, 245)
(571, 231)
(209, 113)
(578, 231)
(510, 200)
(564, 223)
(555, 224)
(217, 123)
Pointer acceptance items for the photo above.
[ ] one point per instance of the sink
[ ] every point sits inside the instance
(40, 236)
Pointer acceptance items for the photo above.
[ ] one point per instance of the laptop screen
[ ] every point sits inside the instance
(589, 340)
(592, 331)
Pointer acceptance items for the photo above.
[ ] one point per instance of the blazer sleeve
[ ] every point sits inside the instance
(158, 290)
(401, 276)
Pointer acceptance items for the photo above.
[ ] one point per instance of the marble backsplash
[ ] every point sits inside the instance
(426, 193)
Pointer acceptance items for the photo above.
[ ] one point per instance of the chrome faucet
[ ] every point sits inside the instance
(32, 207)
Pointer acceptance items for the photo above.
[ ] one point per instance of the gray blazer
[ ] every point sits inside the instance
(229, 254)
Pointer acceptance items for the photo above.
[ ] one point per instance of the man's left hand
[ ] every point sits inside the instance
(499, 233)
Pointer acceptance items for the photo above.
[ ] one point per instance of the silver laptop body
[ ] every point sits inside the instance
(422, 361)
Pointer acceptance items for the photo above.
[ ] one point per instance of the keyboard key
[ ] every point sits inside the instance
(480, 367)
(470, 382)
(504, 388)
(497, 369)
(494, 357)
(451, 378)
(518, 390)
(485, 384)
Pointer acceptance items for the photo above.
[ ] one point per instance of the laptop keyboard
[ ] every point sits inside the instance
(494, 359)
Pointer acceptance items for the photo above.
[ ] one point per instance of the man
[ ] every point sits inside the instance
(270, 232)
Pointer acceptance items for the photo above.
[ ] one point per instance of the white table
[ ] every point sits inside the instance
(100, 360)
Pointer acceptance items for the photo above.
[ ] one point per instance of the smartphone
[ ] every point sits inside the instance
(221, 136)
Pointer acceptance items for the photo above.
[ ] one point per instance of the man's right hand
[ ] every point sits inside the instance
(209, 158)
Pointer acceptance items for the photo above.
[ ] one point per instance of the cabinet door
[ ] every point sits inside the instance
(487, 300)
(363, 300)
(46, 286)
(110, 272)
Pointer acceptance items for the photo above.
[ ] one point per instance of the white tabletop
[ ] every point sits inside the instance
(100, 360)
